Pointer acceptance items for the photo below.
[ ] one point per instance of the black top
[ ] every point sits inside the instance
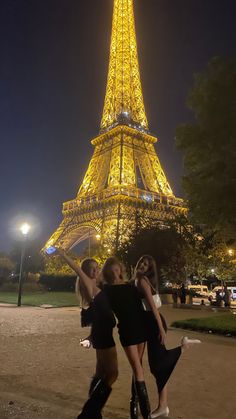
(103, 322)
(127, 306)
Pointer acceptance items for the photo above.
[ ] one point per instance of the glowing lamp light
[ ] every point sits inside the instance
(25, 229)
(230, 252)
(98, 237)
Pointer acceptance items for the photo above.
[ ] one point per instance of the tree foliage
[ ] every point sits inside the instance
(209, 147)
(6, 266)
(181, 251)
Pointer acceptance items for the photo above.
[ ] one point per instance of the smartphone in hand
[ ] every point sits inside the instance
(50, 250)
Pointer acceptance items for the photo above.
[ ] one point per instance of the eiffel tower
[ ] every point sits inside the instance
(124, 179)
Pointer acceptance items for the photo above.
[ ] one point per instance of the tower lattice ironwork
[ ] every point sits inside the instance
(124, 181)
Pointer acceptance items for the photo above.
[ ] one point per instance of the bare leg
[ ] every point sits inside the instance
(163, 398)
(133, 356)
(141, 349)
(134, 353)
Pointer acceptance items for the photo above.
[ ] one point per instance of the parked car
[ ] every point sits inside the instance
(232, 289)
(201, 290)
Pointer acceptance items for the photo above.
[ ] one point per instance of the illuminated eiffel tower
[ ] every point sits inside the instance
(124, 181)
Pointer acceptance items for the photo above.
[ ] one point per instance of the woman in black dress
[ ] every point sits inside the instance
(126, 304)
(103, 322)
(125, 301)
(161, 361)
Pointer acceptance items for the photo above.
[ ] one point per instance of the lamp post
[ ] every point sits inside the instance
(25, 229)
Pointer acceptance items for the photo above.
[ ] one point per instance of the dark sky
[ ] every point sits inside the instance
(53, 68)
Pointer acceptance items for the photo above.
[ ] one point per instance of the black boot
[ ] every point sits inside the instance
(95, 380)
(143, 399)
(95, 403)
(133, 404)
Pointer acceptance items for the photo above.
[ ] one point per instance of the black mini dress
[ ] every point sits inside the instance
(103, 323)
(127, 307)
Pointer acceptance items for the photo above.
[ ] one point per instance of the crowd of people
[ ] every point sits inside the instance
(107, 299)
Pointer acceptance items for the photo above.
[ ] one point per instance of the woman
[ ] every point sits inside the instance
(127, 306)
(90, 268)
(161, 361)
(103, 322)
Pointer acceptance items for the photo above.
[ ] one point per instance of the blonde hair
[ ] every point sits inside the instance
(107, 275)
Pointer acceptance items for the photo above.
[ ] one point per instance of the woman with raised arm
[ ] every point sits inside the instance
(102, 322)
(124, 300)
(161, 360)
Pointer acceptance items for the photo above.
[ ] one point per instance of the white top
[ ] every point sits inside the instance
(157, 302)
(156, 298)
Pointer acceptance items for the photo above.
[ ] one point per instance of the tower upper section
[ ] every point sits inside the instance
(124, 98)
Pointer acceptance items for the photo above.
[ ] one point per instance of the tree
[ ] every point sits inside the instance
(165, 245)
(34, 260)
(6, 266)
(209, 147)
(182, 250)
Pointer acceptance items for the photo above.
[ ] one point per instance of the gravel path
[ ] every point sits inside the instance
(45, 374)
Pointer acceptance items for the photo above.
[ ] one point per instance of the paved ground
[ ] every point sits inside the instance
(44, 374)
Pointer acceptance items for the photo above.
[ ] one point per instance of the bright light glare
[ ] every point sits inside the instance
(230, 252)
(98, 237)
(25, 229)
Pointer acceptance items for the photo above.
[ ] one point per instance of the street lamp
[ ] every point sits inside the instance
(24, 229)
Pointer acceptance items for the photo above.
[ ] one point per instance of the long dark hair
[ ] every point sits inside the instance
(107, 275)
(151, 273)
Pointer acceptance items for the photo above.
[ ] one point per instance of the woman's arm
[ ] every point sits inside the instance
(145, 287)
(77, 291)
(91, 288)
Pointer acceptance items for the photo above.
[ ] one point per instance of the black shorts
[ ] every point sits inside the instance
(102, 338)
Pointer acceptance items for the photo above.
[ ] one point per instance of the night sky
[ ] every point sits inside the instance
(53, 68)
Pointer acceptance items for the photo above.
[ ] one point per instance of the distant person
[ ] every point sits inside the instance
(182, 294)
(226, 298)
(175, 295)
(218, 299)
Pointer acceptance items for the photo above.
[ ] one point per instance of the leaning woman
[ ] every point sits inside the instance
(161, 361)
(103, 322)
(126, 304)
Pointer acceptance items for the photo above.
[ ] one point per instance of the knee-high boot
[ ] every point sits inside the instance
(95, 380)
(96, 402)
(143, 399)
(133, 402)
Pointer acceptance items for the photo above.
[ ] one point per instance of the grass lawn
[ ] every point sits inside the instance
(225, 324)
(56, 299)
